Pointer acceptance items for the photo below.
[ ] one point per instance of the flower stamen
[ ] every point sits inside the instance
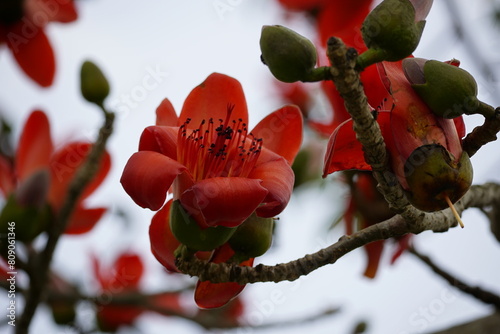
(224, 150)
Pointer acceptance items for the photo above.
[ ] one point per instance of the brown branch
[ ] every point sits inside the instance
(477, 292)
(478, 196)
(40, 263)
(347, 81)
(482, 135)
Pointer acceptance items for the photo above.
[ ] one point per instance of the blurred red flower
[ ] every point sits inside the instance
(22, 25)
(36, 156)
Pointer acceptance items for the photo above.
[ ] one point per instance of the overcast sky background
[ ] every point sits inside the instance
(182, 42)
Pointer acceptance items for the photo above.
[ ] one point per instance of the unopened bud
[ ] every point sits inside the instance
(290, 57)
(391, 30)
(449, 91)
(94, 85)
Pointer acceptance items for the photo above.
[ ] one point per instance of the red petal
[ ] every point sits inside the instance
(165, 114)
(460, 125)
(163, 242)
(303, 5)
(211, 100)
(344, 151)
(148, 176)
(53, 10)
(83, 220)
(65, 162)
(403, 244)
(413, 123)
(161, 139)
(127, 272)
(281, 132)
(35, 145)
(223, 201)
(278, 178)
(374, 252)
(343, 19)
(33, 52)
(112, 317)
(7, 178)
(213, 295)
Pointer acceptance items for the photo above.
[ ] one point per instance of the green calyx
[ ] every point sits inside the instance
(93, 84)
(390, 32)
(433, 174)
(290, 57)
(187, 231)
(253, 237)
(450, 91)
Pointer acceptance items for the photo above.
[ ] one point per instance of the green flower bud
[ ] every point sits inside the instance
(433, 174)
(390, 32)
(449, 91)
(187, 231)
(290, 57)
(93, 83)
(253, 237)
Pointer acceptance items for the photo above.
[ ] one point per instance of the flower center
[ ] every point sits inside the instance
(218, 148)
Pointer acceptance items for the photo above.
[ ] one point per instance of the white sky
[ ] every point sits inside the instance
(184, 41)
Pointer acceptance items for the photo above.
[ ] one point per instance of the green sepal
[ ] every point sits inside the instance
(253, 237)
(187, 231)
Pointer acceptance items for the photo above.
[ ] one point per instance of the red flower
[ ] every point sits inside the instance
(36, 154)
(409, 126)
(22, 26)
(220, 171)
(124, 277)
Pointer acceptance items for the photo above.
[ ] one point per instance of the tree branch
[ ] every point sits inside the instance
(482, 135)
(40, 263)
(477, 292)
(347, 81)
(477, 197)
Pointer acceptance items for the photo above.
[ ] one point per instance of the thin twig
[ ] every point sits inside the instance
(482, 135)
(39, 265)
(477, 292)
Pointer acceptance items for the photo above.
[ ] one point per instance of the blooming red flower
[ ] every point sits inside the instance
(220, 171)
(22, 26)
(124, 277)
(35, 154)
